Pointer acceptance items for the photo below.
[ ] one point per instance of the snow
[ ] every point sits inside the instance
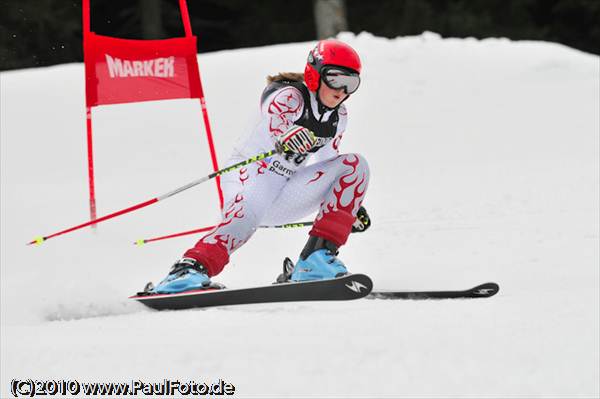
(485, 167)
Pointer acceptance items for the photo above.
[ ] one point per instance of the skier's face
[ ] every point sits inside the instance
(331, 98)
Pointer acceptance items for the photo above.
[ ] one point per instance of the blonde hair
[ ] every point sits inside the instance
(289, 76)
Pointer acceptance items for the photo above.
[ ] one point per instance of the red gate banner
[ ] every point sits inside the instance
(124, 70)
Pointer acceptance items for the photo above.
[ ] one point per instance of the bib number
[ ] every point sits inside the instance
(296, 158)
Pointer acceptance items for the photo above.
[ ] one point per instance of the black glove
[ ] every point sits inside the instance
(362, 222)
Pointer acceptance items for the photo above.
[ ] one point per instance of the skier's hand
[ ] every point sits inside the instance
(297, 139)
(362, 222)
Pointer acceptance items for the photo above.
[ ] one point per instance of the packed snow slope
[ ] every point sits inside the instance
(485, 167)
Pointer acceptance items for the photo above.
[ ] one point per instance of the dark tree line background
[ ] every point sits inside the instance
(47, 32)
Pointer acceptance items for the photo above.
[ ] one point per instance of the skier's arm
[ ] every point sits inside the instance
(281, 109)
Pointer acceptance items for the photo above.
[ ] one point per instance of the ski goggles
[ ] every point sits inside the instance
(337, 78)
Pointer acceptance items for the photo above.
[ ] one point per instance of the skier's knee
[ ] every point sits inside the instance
(362, 162)
(358, 162)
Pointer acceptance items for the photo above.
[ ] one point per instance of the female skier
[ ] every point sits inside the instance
(303, 116)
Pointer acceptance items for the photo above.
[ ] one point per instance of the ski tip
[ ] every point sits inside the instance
(486, 290)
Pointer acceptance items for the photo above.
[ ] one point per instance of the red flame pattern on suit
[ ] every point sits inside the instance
(228, 242)
(243, 175)
(262, 165)
(212, 251)
(318, 175)
(221, 240)
(348, 191)
(336, 142)
(338, 212)
(234, 211)
(283, 110)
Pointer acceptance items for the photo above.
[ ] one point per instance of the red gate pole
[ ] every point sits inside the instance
(88, 117)
(90, 149)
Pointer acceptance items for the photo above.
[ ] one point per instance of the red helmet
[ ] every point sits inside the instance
(329, 52)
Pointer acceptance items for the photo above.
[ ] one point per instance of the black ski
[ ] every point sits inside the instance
(348, 287)
(481, 291)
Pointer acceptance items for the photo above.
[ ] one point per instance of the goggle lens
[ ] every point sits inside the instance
(340, 79)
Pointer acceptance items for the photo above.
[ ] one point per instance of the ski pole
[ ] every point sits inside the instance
(147, 240)
(288, 225)
(41, 239)
(279, 226)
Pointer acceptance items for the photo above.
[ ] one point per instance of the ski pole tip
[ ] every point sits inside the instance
(139, 243)
(37, 241)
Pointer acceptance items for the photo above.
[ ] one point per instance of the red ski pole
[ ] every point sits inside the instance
(185, 233)
(41, 239)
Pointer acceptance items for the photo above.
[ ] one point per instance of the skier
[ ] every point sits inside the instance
(302, 115)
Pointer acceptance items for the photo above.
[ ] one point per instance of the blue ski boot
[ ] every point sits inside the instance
(186, 274)
(318, 261)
